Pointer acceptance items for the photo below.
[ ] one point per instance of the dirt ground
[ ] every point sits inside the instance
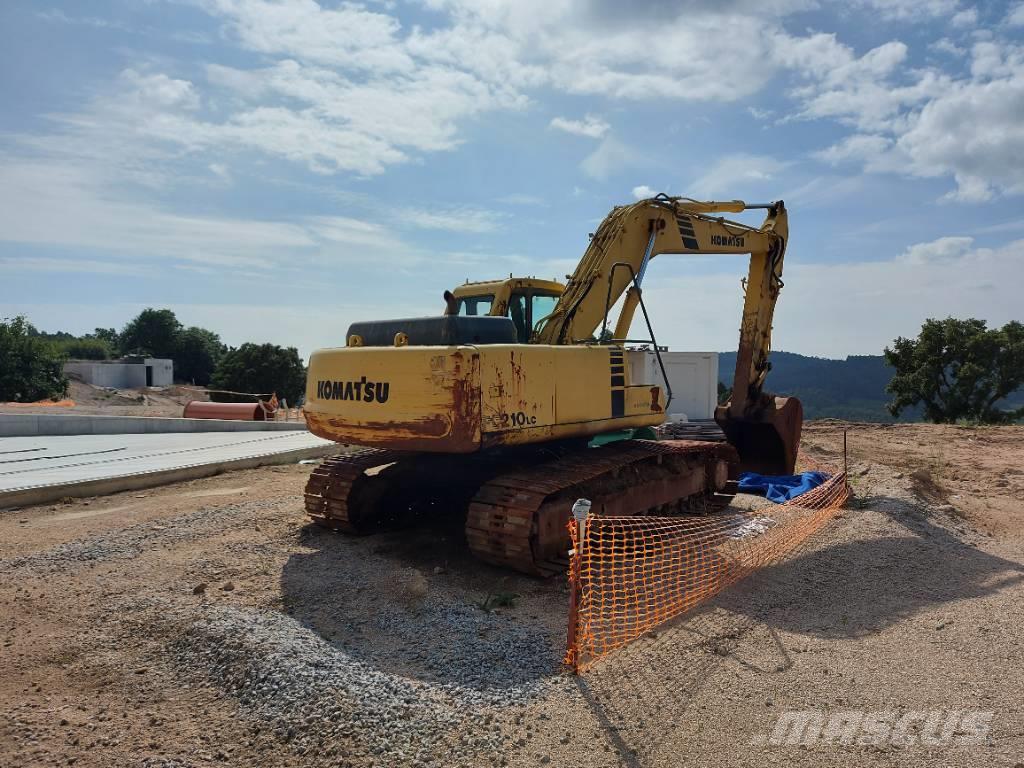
(972, 472)
(103, 401)
(207, 623)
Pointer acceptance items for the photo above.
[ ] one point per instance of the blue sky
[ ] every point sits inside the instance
(277, 170)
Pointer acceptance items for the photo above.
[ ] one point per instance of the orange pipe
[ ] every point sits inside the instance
(199, 409)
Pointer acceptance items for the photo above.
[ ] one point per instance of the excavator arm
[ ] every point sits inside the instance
(765, 429)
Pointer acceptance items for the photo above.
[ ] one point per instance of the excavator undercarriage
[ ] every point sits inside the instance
(517, 503)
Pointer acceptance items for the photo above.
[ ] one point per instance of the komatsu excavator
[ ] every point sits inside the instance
(490, 409)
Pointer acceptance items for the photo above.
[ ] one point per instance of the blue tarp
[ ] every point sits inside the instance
(780, 488)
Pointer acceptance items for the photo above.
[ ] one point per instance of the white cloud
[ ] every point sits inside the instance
(340, 123)
(735, 174)
(57, 15)
(904, 10)
(590, 126)
(354, 103)
(856, 90)
(345, 88)
(610, 157)
(1014, 225)
(221, 171)
(642, 192)
(970, 128)
(67, 205)
(354, 232)
(347, 35)
(56, 204)
(869, 150)
(61, 266)
(1015, 16)
(945, 45)
(454, 220)
(968, 17)
(945, 249)
(888, 298)
(605, 49)
(825, 191)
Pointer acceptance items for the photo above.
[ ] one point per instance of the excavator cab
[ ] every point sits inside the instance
(525, 300)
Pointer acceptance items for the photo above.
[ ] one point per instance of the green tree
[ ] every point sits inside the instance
(108, 335)
(958, 369)
(153, 332)
(196, 355)
(724, 393)
(260, 369)
(85, 348)
(31, 368)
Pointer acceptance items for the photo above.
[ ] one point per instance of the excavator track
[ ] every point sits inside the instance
(518, 505)
(335, 491)
(518, 519)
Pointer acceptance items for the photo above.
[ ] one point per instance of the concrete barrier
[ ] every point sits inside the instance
(27, 497)
(46, 424)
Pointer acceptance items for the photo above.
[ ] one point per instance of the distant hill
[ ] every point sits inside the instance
(852, 389)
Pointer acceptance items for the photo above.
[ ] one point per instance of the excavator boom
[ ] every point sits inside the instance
(764, 429)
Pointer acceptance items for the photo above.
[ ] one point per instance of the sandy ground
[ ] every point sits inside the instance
(972, 472)
(102, 401)
(206, 623)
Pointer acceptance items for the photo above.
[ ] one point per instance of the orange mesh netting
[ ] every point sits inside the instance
(630, 574)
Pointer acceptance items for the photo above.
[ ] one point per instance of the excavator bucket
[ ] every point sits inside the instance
(767, 438)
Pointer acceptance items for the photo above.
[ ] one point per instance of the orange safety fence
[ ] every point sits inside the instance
(628, 575)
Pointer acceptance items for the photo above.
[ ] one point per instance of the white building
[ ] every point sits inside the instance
(127, 373)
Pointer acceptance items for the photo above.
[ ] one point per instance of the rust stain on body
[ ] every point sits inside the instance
(655, 405)
(432, 434)
(450, 420)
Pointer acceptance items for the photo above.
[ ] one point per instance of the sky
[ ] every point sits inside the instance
(277, 169)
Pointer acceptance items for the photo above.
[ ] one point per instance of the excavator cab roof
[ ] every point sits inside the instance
(497, 287)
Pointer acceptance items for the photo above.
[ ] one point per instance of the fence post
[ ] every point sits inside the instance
(846, 474)
(580, 512)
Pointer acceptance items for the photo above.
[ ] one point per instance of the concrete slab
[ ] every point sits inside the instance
(31, 424)
(36, 470)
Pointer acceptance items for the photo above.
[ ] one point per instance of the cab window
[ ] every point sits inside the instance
(542, 306)
(475, 306)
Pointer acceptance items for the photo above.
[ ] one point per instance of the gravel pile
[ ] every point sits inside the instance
(325, 702)
(370, 662)
(164, 762)
(481, 651)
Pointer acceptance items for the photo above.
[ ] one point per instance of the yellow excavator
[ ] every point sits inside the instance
(492, 409)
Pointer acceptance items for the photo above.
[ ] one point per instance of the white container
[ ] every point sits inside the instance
(693, 376)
